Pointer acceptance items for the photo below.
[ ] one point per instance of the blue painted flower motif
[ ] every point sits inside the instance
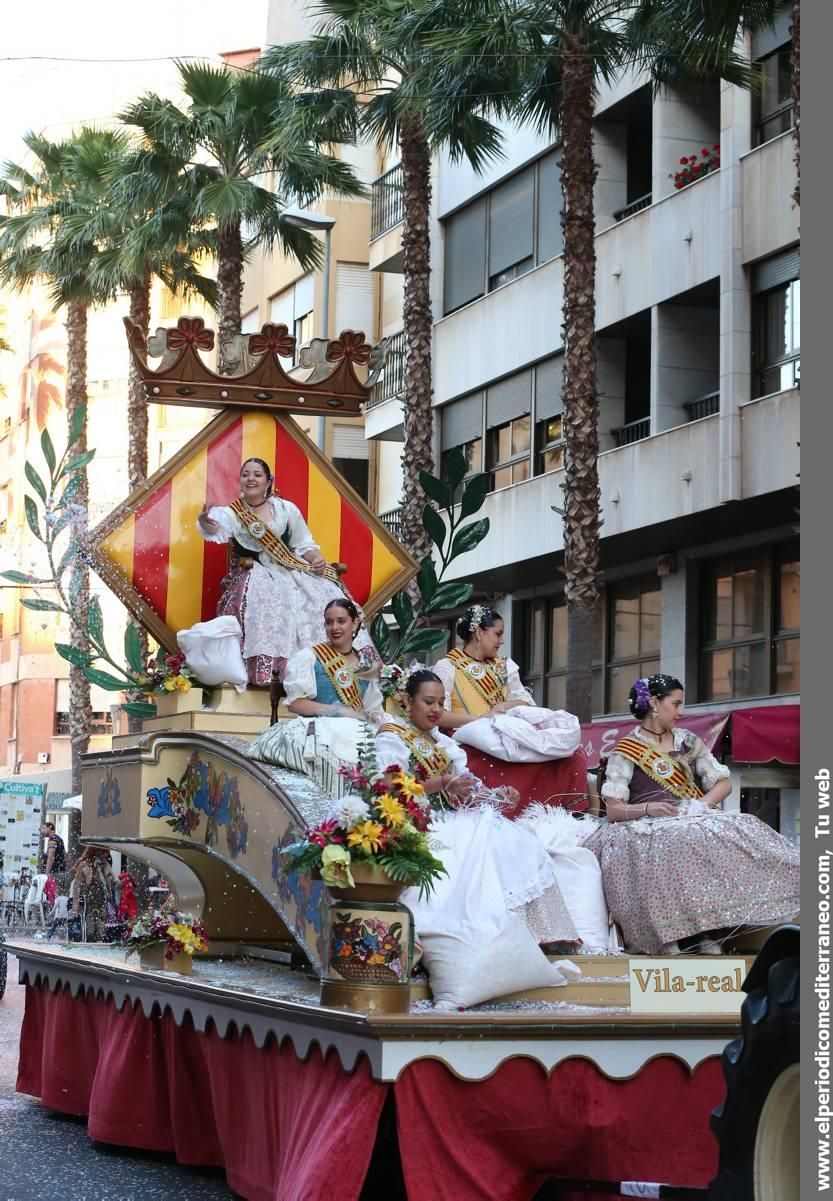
(159, 800)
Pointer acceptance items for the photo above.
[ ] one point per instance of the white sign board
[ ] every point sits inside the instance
(21, 816)
(687, 985)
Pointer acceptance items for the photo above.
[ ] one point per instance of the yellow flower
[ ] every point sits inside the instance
(169, 684)
(335, 866)
(391, 810)
(367, 836)
(408, 784)
(182, 684)
(191, 942)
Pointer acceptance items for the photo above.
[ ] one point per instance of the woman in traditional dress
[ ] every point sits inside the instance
(543, 745)
(526, 875)
(92, 913)
(276, 591)
(332, 684)
(674, 868)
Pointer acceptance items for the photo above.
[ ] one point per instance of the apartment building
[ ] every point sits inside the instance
(698, 321)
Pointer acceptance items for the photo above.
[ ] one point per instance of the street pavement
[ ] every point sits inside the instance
(48, 1157)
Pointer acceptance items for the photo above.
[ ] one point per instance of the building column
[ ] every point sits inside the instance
(673, 622)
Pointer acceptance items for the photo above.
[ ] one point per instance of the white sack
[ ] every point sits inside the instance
(526, 734)
(212, 651)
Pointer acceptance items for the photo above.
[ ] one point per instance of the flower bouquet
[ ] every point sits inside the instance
(694, 167)
(383, 822)
(171, 936)
(167, 674)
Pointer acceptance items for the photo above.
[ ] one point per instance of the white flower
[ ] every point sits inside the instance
(349, 812)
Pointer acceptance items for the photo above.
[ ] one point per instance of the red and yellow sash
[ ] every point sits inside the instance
(478, 686)
(674, 775)
(422, 746)
(339, 674)
(276, 547)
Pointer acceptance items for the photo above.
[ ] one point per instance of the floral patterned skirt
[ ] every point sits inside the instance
(280, 612)
(673, 877)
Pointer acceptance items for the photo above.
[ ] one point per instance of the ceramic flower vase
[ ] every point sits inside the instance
(370, 945)
(154, 957)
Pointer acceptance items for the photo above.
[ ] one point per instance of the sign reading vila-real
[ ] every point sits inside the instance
(685, 986)
(21, 815)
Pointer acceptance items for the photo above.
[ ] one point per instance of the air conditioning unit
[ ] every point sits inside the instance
(43, 756)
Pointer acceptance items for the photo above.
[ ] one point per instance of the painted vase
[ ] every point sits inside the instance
(154, 957)
(370, 945)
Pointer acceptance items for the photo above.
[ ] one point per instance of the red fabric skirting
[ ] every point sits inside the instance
(556, 782)
(287, 1130)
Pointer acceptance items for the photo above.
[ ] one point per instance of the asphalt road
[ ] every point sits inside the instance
(47, 1157)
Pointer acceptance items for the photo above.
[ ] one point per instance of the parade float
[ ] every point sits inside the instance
(299, 1072)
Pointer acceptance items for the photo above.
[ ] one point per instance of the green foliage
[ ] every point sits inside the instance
(133, 648)
(452, 538)
(140, 709)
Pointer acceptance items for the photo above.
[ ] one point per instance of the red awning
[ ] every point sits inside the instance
(601, 737)
(771, 732)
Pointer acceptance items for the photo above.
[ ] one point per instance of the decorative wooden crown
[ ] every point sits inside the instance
(324, 381)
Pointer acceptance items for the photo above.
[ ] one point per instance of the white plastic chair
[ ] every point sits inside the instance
(34, 900)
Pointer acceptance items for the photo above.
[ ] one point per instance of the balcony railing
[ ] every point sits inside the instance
(392, 383)
(703, 406)
(635, 206)
(392, 520)
(634, 431)
(386, 205)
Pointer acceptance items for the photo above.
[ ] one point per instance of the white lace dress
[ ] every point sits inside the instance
(280, 611)
(526, 875)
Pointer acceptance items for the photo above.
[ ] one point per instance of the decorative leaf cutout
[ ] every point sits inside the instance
(474, 495)
(469, 537)
(35, 480)
(77, 462)
(434, 526)
(403, 610)
(40, 605)
(455, 467)
(139, 709)
(133, 648)
(73, 654)
(423, 641)
(32, 517)
(449, 596)
(48, 451)
(95, 622)
(76, 426)
(104, 680)
(438, 490)
(20, 577)
(427, 579)
(380, 634)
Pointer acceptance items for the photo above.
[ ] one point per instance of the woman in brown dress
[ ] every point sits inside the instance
(674, 866)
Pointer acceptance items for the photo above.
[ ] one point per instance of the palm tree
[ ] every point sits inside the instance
(35, 246)
(379, 53)
(220, 139)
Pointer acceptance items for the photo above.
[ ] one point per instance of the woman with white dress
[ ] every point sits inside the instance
(276, 591)
(677, 872)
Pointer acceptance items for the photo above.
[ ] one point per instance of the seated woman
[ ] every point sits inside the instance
(548, 763)
(324, 682)
(527, 880)
(276, 591)
(673, 868)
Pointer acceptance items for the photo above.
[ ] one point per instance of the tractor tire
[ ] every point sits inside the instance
(757, 1127)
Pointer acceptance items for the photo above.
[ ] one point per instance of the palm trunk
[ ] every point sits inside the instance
(796, 95)
(416, 312)
(581, 402)
(229, 288)
(80, 709)
(137, 439)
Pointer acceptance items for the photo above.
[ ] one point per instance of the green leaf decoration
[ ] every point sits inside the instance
(381, 635)
(48, 451)
(77, 462)
(95, 622)
(438, 491)
(67, 558)
(449, 596)
(469, 537)
(70, 492)
(403, 610)
(423, 641)
(20, 577)
(104, 680)
(474, 495)
(133, 648)
(76, 583)
(139, 709)
(32, 517)
(427, 579)
(434, 526)
(35, 480)
(456, 467)
(40, 605)
(73, 654)
(76, 426)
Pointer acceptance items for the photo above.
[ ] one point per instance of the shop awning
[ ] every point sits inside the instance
(600, 737)
(766, 734)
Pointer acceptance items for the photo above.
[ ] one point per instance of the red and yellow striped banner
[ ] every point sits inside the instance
(153, 543)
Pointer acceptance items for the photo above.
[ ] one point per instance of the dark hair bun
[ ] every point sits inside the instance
(476, 617)
(417, 678)
(657, 686)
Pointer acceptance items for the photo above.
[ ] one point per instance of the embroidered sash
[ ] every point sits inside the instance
(673, 775)
(339, 674)
(275, 546)
(478, 686)
(423, 748)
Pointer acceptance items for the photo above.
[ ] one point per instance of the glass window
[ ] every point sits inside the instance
(778, 338)
(634, 608)
(773, 102)
(508, 452)
(751, 643)
(511, 228)
(465, 256)
(550, 237)
(549, 438)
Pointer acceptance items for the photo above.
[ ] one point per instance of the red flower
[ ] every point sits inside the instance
(704, 152)
(684, 160)
(716, 146)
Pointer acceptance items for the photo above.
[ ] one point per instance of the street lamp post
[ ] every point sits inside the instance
(306, 219)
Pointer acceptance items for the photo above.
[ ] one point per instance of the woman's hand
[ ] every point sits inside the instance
(660, 809)
(208, 523)
(316, 561)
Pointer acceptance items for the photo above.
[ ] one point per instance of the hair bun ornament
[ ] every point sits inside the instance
(642, 693)
(476, 615)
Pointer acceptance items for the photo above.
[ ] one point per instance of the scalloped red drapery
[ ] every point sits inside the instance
(291, 1130)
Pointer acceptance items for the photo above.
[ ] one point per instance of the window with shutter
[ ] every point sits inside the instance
(465, 256)
(354, 299)
(550, 237)
(511, 249)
